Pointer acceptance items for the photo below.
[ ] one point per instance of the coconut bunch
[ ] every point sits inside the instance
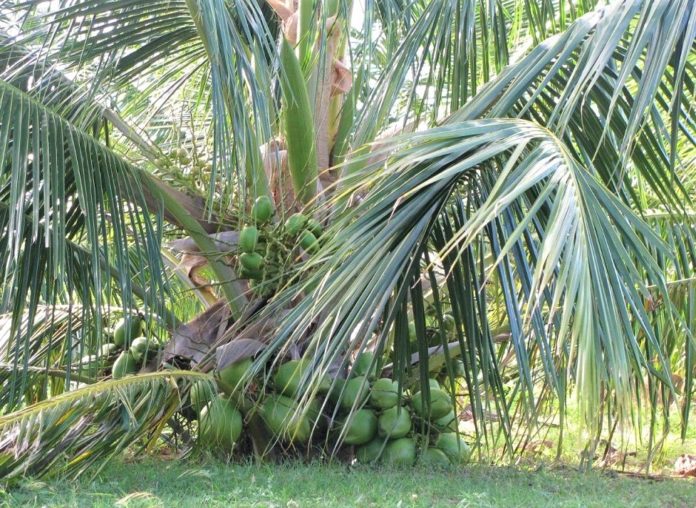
(265, 246)
(382, 420)
(127, 351)
(408, 428)
(136, 349)
(191, 162)
(236, 399)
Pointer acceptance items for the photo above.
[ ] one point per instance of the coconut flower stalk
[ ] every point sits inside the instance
(324, 80)
(298, 126)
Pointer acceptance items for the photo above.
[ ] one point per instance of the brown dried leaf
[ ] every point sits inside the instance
(193, 340)
(237, 350)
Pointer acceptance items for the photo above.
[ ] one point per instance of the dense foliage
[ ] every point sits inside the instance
(507, 183)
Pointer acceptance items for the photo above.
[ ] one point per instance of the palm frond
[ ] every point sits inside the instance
(160, 47)
(572, 261)
(606, 86)
(678, 333)
(70, 210)
(86, 427)
(440, 53)
(527, 209)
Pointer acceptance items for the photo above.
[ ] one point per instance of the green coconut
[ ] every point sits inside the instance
(127, 329)
(295, 223)
(255, 275)
(400, 452)
(283, 418)
(251, 262)
(200, 394)
(434, 457)
(447, 422)
(313, 413)
(308, 241)
(360, 428)
(324, 384)
(371, 452)
(248, 238)
(363, 364)
(454, 447)
(140, 347)
(440, 404)
(394, 422)
(335, 390)
(314, 226)
(384, 394)
(262, 211)
(355, 391)
(288, 377)
(220, 424)
(124, 365)
(229, 377)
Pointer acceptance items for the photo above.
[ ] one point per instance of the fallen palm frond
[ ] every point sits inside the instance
(73, 431)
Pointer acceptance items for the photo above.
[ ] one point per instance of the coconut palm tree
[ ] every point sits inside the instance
(508, 182)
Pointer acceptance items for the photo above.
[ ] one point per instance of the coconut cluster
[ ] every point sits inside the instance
(381, 420)
(412, 425)
(126, 353)
(265, 247)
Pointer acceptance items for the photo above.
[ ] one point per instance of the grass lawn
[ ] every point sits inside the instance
(183, 484)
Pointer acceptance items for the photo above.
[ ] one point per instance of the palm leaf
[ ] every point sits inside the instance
(121, 43)
(440, 53)
(85, 427)
(89, 196)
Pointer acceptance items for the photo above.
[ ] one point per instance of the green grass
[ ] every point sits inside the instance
(188, 484)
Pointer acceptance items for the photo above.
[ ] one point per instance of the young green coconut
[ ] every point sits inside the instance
(248, 239)
(434, 457)
(364, 364)
(127, 329)
(229, 378)
(372, 451)
(124, 365)
(263, 209)
(289, 375)
(140, 347)
(440, 404)
(454, 447)
(350, 393)
(394, 422)
(360, 428)
(384, 393)
(447, 423)
(283, 418)
(220, 424)
(400, 452)
(295, 224)
(200, 394)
